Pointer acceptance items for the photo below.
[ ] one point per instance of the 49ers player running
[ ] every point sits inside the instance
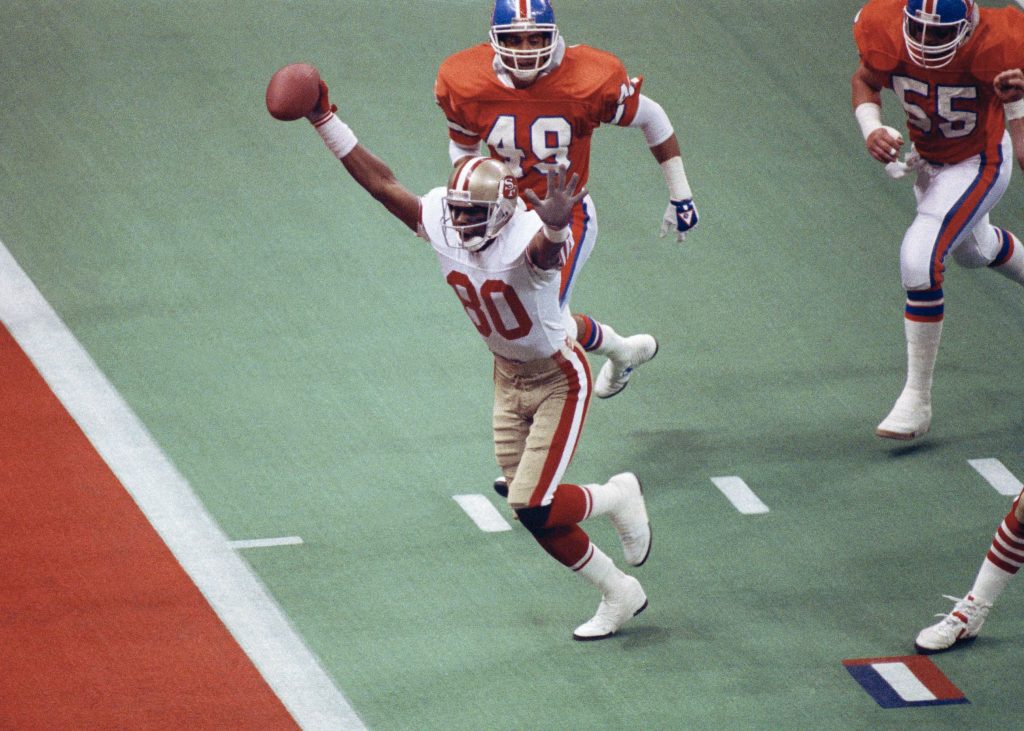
(503, 264)
(955, 68)
(535, 102)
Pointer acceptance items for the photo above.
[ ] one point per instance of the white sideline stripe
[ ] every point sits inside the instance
(903, 681)
(236, 594)
(996, 474)
(480, 510)
(740, 495)
(266, 542)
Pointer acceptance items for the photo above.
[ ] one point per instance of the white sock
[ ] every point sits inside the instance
(1013, 268)
(604, 498)
(600, 570)
(612, 344)
(990, 582)
(922, 350)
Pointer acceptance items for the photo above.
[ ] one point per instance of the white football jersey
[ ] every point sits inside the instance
(513, 304)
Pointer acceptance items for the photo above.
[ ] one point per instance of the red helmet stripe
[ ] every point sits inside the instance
(524, 10)
(462, 180)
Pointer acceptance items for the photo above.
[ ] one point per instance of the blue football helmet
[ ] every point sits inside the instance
(934, 30)
(522, 60)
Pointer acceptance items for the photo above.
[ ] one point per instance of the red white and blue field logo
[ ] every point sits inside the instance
(898, 682)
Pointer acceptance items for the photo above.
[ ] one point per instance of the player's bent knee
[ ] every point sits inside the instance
(533, 519)
(915, 279)
(969, 257)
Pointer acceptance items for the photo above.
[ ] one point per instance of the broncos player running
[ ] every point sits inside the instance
(503, 263)
(535, 102)
(952, 67)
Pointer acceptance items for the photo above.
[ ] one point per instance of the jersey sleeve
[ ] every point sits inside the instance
(619, 94)
(875, 30)
(453, 106)
(1006, 49)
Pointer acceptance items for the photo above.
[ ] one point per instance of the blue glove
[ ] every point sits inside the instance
(680, 216)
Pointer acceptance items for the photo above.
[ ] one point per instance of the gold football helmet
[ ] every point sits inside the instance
(482, 196)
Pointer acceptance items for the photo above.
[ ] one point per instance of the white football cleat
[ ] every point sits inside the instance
(615, 373)
(630, 520)
(910, 417)
(960, 625)
(616, 607)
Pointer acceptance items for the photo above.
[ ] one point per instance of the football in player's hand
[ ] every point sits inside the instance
(293, 91)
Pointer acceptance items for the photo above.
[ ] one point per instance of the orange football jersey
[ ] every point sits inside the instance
(550, 121)
(953, 111)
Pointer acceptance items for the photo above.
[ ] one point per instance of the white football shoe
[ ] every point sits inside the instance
(617, 606)
(960, 625)
(615, 373)
(911, 417)
(630, 520)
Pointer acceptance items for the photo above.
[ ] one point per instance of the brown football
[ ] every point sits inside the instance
(293, 91)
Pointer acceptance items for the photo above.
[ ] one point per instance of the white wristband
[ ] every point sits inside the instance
(675, 177)
(556, 235)
(1014, 110)
(869, 117)
(337, 135)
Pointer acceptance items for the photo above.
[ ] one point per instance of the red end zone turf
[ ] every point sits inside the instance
(100, 626)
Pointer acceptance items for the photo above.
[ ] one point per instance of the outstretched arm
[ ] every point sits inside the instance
(365, 168)
(883, 143)
(681, 214)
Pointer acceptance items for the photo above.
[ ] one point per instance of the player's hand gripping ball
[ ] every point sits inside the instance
(293, 91)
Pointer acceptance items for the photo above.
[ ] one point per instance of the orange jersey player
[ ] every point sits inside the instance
(953, 111)
(535, 102)
(956, 69)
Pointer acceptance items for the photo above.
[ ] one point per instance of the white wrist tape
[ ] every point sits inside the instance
(337, 135)
(675, 177)
(869, 117)
(1014, 110)
(556, 235)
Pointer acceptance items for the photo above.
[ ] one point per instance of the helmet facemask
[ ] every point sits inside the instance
(482, 195)
(523, 59)
(933, 38)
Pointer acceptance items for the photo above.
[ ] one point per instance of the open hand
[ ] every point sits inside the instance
(556, 208)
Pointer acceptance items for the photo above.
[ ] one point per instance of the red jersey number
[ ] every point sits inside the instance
(491, 307)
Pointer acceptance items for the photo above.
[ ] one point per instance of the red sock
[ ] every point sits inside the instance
(561, 535)
(567, 544)
(570, 505)
(1007, 550)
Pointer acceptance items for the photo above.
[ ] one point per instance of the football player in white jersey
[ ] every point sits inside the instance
(503, 262)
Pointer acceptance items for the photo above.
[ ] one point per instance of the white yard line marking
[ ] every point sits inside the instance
(903, 681)
(266, 542)
(482, 512)
(740, 495)
(234, 591)
(997, 475)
